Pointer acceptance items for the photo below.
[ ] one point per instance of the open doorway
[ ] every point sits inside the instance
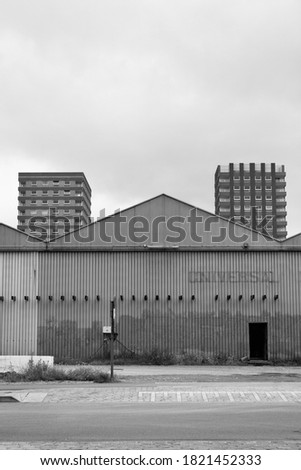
(258, 340)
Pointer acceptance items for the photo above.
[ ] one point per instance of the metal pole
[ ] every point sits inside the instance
(112, 338)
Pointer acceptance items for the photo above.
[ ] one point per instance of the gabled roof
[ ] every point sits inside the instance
(162, 221)
(11, 238)
(294, 240)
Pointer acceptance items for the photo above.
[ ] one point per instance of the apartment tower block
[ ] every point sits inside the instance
(253, 194)
(52, 204)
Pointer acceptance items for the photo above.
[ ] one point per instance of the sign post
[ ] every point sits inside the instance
(112, 338)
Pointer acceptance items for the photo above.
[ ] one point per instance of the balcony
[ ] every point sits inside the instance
(224, 184)
(281, 224)
(23, 217)
(73, 207)
(280, 202)
(51, 188)
(48, 196)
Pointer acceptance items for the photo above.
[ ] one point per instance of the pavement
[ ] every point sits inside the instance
(219, 371)
(199, 445)
(166, 384)
(163, 384)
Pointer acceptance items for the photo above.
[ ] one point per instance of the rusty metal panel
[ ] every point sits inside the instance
(18, 319)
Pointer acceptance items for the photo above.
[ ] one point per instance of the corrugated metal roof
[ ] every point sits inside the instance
(163, 222)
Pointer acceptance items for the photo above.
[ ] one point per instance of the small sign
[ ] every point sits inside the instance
(106, 329)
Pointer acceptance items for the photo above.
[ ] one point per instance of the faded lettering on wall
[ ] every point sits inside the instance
(231, 276)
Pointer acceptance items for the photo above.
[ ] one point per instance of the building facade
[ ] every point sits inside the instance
(52, 204)
(185, 282)
(254, 195)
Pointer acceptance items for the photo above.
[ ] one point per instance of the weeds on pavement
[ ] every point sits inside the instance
(41, 371)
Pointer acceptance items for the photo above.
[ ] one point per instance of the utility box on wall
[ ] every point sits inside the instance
(106, 330)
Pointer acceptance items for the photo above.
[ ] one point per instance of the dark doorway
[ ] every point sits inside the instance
(258, 337)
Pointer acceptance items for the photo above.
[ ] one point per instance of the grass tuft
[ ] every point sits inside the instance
(158, 358)
(41, 371)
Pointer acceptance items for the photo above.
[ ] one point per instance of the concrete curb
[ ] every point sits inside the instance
(22, 397)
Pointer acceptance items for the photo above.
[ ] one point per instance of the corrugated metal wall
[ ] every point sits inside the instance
(215, 326)
(18, 319)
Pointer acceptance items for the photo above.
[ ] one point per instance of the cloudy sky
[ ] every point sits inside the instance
(149, 96)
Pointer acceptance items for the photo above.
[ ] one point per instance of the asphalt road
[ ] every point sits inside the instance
(144, 421)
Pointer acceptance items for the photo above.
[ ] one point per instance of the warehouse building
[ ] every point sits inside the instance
(185, 282)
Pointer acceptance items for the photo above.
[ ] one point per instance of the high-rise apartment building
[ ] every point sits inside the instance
(51, 204)
(253, 194)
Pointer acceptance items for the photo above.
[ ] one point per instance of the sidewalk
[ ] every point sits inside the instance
(207, 373)
(209, 386)
(169, 384)
(137, 370)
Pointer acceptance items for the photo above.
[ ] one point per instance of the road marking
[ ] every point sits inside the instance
(214, 396)
(257, 398)
(284, 398)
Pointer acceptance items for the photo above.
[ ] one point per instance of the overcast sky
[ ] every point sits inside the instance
(149, 96)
